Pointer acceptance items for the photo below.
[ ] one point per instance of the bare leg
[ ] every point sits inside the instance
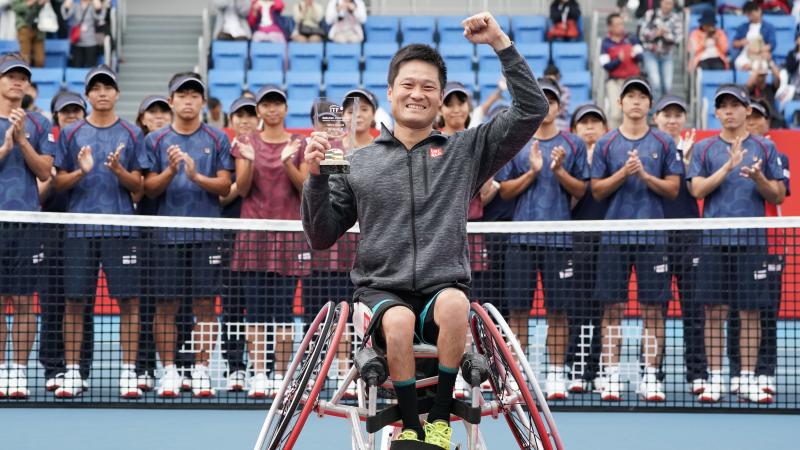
(749, 338)
(284, 335)
(24, 332)
(165, 331)
(257, 347)
(450, 313)
(398, 330)
(716, 315)
(653, 335)
(206, 327)
(129, 329)
(557, 334)
(73, 331)
(612, 339)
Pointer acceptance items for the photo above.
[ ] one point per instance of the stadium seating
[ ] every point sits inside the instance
(226, 85)
(784, 36)
(9, 46)
(305, 57)
(299, 115)
(537, 55)
(268, 56)
(256, 79)
(729, 24)
(580, 87)
(381, 29)
(378, 56)
(505, 23)
(488, 60)
(343, 57)
(450, 30)
(458, 57)
(569, 56)
(303, 85)
(229, 55)
(377, 83)
(528, 29)
(74, 79)
(56, 53)
(789, 109)
(337, 84)
(487, 84)
(418, 29)
(466, 78)
(710, 80)
(48, 81)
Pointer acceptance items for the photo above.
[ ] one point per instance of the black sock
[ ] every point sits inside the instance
(407, 400)
(444, 394)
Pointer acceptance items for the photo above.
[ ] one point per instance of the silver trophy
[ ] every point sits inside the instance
(330, 118)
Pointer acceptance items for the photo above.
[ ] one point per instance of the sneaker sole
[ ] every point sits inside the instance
(708, 400)
(655, 398)
(131, 396)
(768, 391)
(52, 388)
(67, 395)
(203, 394)
(235, 388)
(557, 396)
(611, 398)
(698, 391)
(169, 394)
(258, 396)
(577, 390)
(18, 395)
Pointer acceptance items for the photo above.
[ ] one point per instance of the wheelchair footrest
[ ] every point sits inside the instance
(413, 445)
(391, 414)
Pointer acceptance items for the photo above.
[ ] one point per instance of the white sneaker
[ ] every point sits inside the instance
(713, 389)
(84, 384)
(767, 384)
(698, 386)
(612, 392)
(461, 391)
(276, 381)
(51, 384)
(201, 382)
(579, 386)
(169, 386)
(736, 383)
(651, 389)
(17, 382)
(556, 386)
(72, 386)
(145, 382)
(260, 386)
(186, 381)
(750, 390)
(128, 385)
(3, 380)
(237, 381)
(600, 383)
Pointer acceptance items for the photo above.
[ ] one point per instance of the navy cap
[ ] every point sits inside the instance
(270, 89)
(638, 82)
(455, 86)
(152, 100)
(759, 108)
(496, 109)
(185, 80)
(371, 98)
(669, 100)
(101, 72)
(550, 86)
(15, 64)
(736, 91)
(584, 110)
(65, 99)
(242, 102)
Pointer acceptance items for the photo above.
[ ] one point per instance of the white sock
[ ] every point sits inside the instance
(73, 367)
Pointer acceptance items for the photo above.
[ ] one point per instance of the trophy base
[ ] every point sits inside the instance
(334, 167)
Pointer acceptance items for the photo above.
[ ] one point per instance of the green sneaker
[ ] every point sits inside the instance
(408, 435)
(438, 433)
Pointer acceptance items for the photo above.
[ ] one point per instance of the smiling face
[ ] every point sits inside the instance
(416, 95)
(455, 111)
(70, 114)
(272, 110)
(365, 117)
(671, 120)
(244, 122)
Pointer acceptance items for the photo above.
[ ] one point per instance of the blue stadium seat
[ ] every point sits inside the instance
(450, 30)
(710, 80)
(487, 60)
(74, 79)
(458, 57)
(343, 57)
(48, 81)
(381, 29)
(782, 23)
(256, 79)
(729, 24)
(377, 83)
(528, 29)
(789, 109)
(487, 84)
(229, 55)
(418, 29)
(337, 84)
(267, 56)
(226, 85)
(377, 57)
(56, 53)
(305, 57)
(537, 55)
(505, 23)
(741, 76)
(303, 85)
(569, 56)
(580, 87)
(785, 27)
(299, 116)
(465, 78)
(9, 46)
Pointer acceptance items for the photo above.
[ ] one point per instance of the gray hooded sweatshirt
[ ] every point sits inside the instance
(411, 204)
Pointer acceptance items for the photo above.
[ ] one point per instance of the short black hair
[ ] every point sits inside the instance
(186, 74)
(418, 52)
(611, 17)
(213, 102)
(750, 7)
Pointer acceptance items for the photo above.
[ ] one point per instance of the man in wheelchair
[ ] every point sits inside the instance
(409, 192)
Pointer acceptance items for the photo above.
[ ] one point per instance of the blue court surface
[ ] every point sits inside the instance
(96, 429)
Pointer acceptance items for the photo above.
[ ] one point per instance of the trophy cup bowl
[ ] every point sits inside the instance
(329, 118)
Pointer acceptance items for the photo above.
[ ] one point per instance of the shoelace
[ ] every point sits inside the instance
(408, 435)
(438, 433)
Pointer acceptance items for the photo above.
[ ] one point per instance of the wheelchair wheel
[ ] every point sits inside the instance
(521, 413)
(304, 379)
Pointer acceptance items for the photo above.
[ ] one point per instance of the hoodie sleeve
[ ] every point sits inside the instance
(328, 209)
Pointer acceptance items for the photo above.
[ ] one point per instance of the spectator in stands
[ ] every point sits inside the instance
(620, 55)
(736, 173)
(308, 17)
(8, 21)
(346, 19)
(96, 189)
(792, 91)
(264, 20)
(67, 108)
(562, 121)
(83, 18)
(636, 170)
(670, 117)
(154, 114)
(660, 31)
(754, 40)
(699, 6)
(760, 89)
(215, 116)
(564, 16)
(31, 40)
(231, 23)
(189, 166)
(589, 124)
(26, 153)
(708, 45)
(544, 177)
(779, 7)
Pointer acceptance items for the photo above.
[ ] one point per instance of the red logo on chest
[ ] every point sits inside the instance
(436, 152)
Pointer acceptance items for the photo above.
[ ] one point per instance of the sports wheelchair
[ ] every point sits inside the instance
(498, 359)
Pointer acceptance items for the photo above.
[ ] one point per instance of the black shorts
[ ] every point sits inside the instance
(120, 262)
(187, 270)
(21, 253)
(736, 276)
(653, 276)
(425, 329)
(268, 296)
(523, 263)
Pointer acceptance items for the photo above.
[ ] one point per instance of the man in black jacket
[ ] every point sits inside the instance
(409, 192)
